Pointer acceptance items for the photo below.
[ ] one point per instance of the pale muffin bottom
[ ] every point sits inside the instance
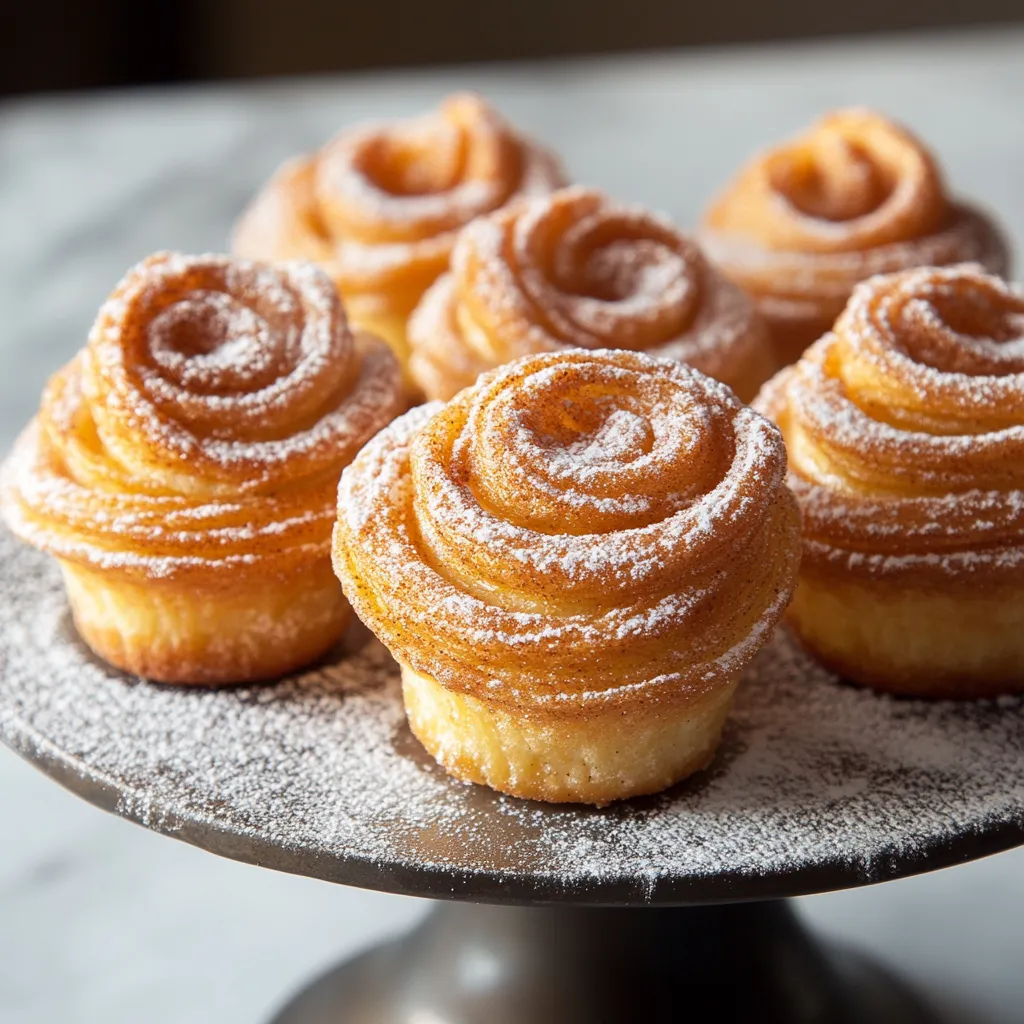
(914, 641)
(591, 760)
(188, 633)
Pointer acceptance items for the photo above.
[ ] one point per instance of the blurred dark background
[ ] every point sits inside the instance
(72, 44)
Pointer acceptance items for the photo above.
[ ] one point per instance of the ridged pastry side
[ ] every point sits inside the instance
(576, 270)
(586, 543)
(183, 467)
(243, 630)
(593, 760)
(905, 430)
(855, 196)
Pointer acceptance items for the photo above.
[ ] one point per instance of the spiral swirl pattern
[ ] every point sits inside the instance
(206, 422)
(905, 430)
(854, 197)
(577, 529)
(576, 270)
(379, 206)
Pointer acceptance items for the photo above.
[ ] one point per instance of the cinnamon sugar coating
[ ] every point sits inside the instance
(378, 207)
(579, 531)
(856, 195)
(905, 429)
(577, 270)
(199, 436)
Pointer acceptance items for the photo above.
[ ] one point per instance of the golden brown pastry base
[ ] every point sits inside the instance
(791, 332)
(591, 760)
(389, 327)
(751, 370)
(913, 641)
(188, 633)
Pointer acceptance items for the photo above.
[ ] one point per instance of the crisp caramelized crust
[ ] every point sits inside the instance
(578, 532)
(378, 207)
(905, 429)
(196, 442)
(577, 270)
(857, 195)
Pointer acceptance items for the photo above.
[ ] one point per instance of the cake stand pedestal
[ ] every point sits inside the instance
(656, 909)
(512, 965)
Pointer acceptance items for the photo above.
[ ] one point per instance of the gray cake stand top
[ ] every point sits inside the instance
(817, 785)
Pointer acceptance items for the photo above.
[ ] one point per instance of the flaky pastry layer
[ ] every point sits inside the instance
(855, 196)
(578, 532)
(378, 207)
(905, 430)
(576, 270)
(196, 443)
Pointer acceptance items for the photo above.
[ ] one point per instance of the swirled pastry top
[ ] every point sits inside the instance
(856, 195)
(206, 422)
(575, 269)
(905, 429)
(579, 529)
(378, 207)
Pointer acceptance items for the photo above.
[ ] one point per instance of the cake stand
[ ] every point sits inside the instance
(656, 909)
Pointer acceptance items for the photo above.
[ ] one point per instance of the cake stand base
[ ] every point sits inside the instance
(470, 964)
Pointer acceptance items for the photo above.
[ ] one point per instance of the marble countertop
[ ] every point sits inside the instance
(102, 921)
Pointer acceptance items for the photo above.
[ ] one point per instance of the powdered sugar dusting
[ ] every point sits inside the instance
(579, 529)
(856, 195)
(575, 269)
(317, 773)
(379, 206)
(906, 427)
(204, 425)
